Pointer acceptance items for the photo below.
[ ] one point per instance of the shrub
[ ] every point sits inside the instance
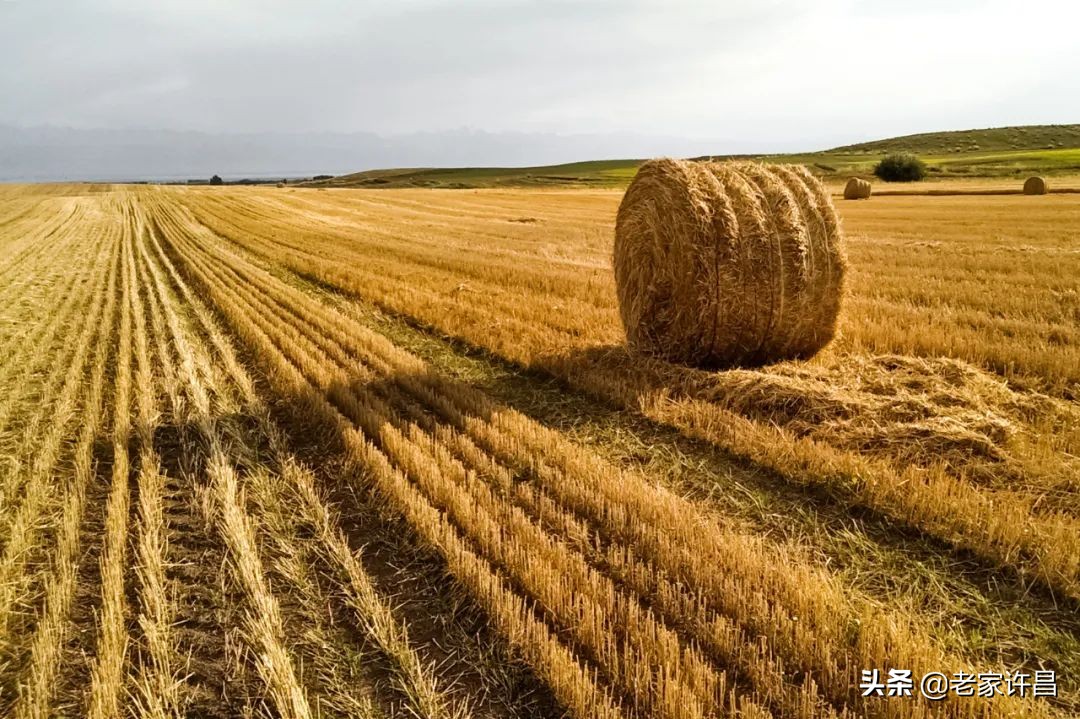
(901, 167)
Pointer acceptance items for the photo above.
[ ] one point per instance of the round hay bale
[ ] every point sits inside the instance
(857, 189)
(1035, 186)
(728, 264)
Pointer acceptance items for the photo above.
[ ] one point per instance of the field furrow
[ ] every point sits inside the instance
(34, 363)
(53, 627)
(210, 665)
(35, 509)
(214, 485)
(107, 675)
(157, 682)
(413, 680)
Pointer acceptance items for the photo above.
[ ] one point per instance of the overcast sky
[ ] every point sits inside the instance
(782, 73)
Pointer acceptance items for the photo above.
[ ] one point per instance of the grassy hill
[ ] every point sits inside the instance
(994, 152)
(599, 173)
(997, 139)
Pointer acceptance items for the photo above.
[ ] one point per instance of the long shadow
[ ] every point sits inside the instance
(449, 630)
(987, 601)
(878, 555)
(614, 379)
(587, 394)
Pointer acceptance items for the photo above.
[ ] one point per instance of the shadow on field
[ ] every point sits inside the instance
(210, 610)
(447, 628)
(586, 393)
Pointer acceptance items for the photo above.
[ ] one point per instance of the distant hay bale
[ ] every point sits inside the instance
(857, 189)
(728, 264)
(1035, 186)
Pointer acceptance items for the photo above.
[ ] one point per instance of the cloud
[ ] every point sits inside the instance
(775, 72)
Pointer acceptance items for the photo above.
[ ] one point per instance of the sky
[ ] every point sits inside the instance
(778, 74)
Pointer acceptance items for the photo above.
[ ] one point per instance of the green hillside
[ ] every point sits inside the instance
(974, 163)
(995, 152)
(599, 173)
(997, 139)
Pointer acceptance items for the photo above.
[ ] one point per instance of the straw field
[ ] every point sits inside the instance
(377, 453)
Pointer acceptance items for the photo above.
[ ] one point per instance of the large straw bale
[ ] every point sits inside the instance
(728, 264)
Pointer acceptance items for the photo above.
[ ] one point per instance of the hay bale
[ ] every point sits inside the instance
(727, 264)
(1035, 186)
(857, 189)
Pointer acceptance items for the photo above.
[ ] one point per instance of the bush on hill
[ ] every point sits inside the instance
(901, 167)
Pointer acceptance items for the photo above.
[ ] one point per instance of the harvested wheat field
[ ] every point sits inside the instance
(378, 453)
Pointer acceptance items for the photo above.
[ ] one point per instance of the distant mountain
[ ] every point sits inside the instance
(49, 153)
(1023, 137)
